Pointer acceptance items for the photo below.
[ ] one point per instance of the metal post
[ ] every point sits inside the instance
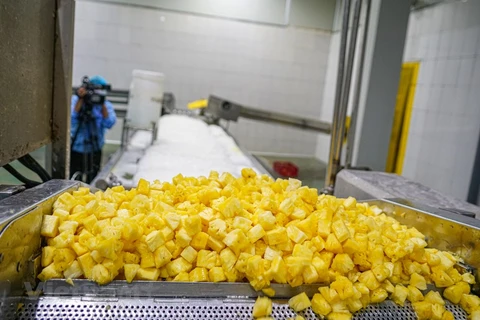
(62, 81)
(358, 85)
(332, 168)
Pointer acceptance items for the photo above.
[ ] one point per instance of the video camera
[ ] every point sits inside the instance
(96, 93)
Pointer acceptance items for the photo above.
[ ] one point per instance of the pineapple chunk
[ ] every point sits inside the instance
(178, 265)
(278, 270)
(296, 235)
(267, 220)
(319, 305)
(49, 272)
(255, 233)
(236, 240)
(189, 254)
(339, 316)
(151, 274)
(242, 223)
(86, 263)
(270, 292)
(276, 236)
(207, 259)
(333, 245)
(299, 302)
(100, 274)
(198, 275)
(182, 276)
(70, 226)
(199, 241)
(423, 309)
(418, 281)
(434, 297)
(400, 294)
(340, 230)
(368, 278)
(49, 226)
(172, 220)
(79, 249)
(162, 256)
(215, 244)
(468, 278)
(262, 307)
(130, 271)
(342, 263)
(193, 225)
(182, 238)
(216, 274)
(437, 311)
(454, 293)
(475, 315)
(62, 258)
(143, 187)
(441, 279)
(378, 295)
(414, 294)
(47, 255)
(470, 303)
(74, 271)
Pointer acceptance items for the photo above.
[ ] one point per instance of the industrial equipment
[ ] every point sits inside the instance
(23, 297)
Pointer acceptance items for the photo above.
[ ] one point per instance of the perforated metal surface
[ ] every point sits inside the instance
(47, 308)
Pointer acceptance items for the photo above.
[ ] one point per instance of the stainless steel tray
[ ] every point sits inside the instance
(55, 299)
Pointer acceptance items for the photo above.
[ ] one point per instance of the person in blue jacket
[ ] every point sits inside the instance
(88, 137)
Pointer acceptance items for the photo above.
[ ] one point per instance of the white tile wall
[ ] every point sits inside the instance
(445, 123)
(272, 68)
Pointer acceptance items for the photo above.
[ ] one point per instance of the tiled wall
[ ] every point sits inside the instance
(273, 68)
(445, 122)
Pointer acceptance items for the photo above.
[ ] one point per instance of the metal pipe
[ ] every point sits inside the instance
(358, 85)
(332, 167)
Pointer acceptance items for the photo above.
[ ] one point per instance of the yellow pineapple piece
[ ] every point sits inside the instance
(437, 311)
(86, 263)
(340, 230)
(368, 278)
(172, 220)
(100, 274)
(418, 281)
(182, 238)
(319, 305)
(178, 265)
(215, 244)
(189, 254)
(79, 249)
(319, 243)
(278, 270)
(475, 315)
(276, 236)
(130, 271)
(468, 278)
(182, 276)
(61, 214)
(470, 302)
(198, 275)
(242, 223)
(267, 220)
(162, 256)
(236, 240)
(400, 294)
(454, 293)
(150, 274)
(47, 255)
(193, 225)
(262, 307)
(207, 259)
(49, 272)
(343, 286)
(310, 274)
(299, 302)
(342, 263)
(434, 297)
(333, 245)
(62, 258)
(324, 227)
(441, 279)
(339, 316)
(199, 241)
(69, 226)
(74, 271)
(143, 187)
(295, 234)
(423, 309)
(216, 274)
(414, 294)
(168, 233)
(49, 226)
(255, 233)
(448, 315)
(131, 258)
(147, 260)
(270, 292)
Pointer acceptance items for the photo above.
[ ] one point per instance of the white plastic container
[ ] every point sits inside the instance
(145, 98)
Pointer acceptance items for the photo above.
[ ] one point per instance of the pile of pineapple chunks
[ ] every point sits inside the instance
(222, 228)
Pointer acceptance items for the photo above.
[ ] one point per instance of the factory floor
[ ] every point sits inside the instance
(311, 170)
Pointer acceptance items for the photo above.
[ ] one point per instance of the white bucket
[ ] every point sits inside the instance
(145, 98)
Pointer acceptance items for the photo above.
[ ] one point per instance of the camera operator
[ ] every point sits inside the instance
(89, 138)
